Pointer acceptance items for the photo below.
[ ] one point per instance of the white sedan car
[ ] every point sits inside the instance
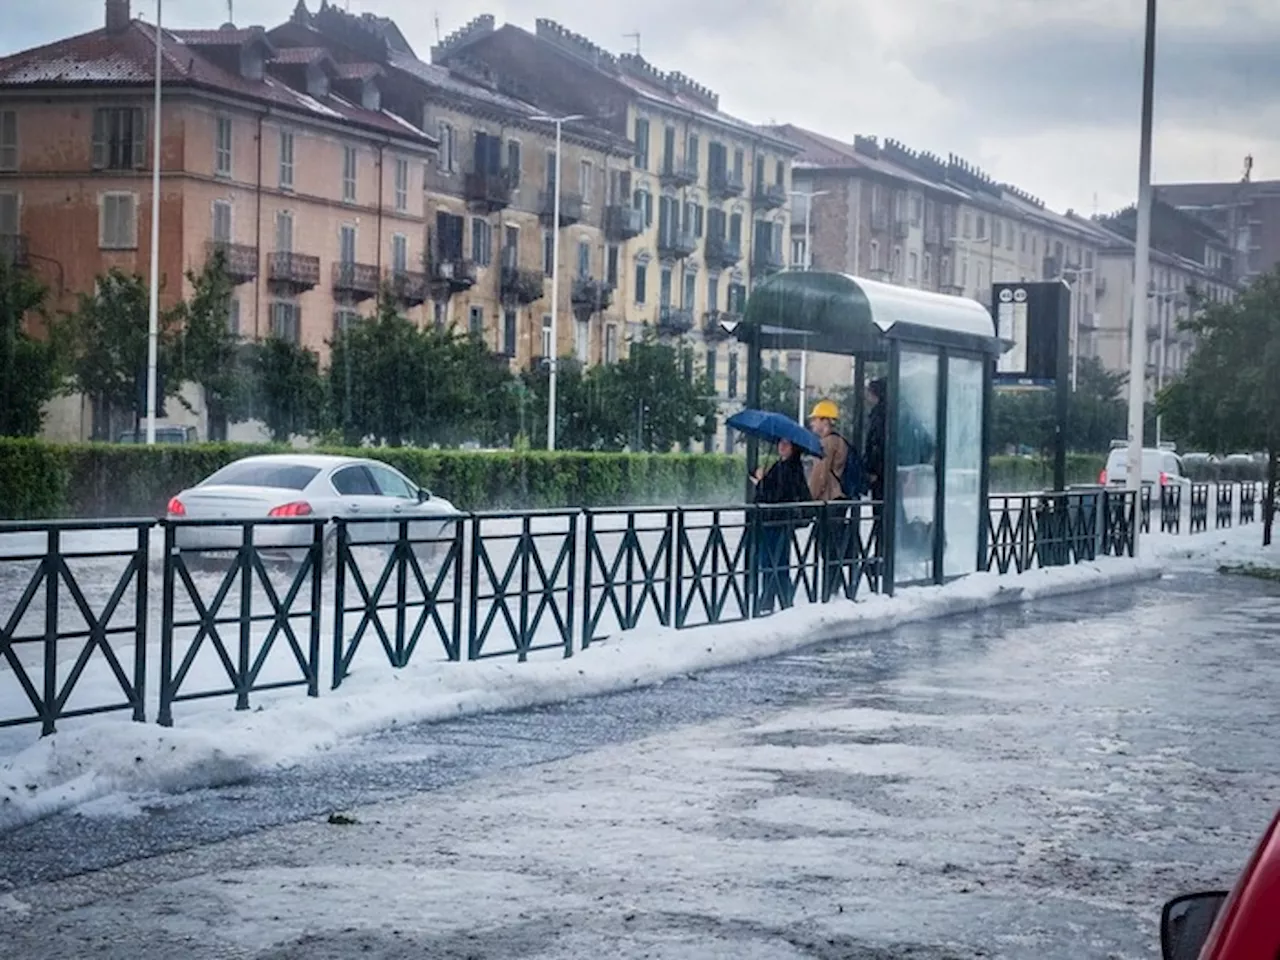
(372, 495)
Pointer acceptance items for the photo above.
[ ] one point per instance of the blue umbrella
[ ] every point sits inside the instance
(774, 427)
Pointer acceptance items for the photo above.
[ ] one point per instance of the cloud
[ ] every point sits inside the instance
(1045, 95)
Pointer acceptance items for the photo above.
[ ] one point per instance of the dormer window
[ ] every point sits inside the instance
(317, 82)
(252, 64)
(371, 96)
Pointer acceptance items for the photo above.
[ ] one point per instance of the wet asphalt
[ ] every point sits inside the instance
(1129, 735)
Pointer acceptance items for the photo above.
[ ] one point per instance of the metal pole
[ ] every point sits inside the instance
(1164, 346)
(555, 298)
(804, 364)
(1141, 270)
(1075, 333)
(153, 310)
(808, 265)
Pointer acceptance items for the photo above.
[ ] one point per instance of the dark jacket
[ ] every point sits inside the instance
(783, 483)
(874, 460)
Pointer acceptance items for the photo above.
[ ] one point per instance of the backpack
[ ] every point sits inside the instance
(853, 481)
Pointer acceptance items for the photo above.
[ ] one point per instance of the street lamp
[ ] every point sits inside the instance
(153, 309)
(1141, 270)
(1073, 275)
(808, 265)
(555, 277)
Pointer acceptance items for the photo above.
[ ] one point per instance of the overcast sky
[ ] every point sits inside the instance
(1040, 93)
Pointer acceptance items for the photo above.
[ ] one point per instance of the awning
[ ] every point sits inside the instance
(838, 313)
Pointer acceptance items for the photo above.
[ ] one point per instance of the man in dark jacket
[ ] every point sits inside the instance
(874, 462)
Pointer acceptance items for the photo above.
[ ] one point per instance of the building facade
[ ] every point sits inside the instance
(1246, 213)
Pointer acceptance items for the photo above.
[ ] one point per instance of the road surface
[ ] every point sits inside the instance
(1029, 783)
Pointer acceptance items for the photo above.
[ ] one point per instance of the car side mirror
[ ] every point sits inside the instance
(423, 494)
(1185, 924)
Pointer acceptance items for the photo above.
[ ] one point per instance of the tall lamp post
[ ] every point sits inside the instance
(1141, 271)
(153, 309)
(1074, 276)
(808, 265)
(552, 360)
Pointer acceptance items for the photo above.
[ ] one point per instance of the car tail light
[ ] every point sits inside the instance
(299, 508)
(176, 508)
(1102, 478)
(1164, 479)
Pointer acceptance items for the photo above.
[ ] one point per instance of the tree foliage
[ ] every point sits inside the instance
(283, 388)
(30, 367)
(1228, 398)
(1025, 420)
(207, 352)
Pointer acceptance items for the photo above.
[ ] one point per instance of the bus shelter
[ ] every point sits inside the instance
(939, 355)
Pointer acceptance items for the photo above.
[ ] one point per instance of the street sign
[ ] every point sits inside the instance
(1034, 318)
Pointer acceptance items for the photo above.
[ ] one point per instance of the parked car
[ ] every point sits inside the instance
(1241, 925)
(1241, 467)
(1201, 467)
(166, 434)
(300, 485)
(1159, 466)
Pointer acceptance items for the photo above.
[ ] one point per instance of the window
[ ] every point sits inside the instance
(402, 185)
(642, 282)
(233, 317)
(731, 384)
(509, 333)
(739, 163)
(399, 253)
(584, 259)
(548, 253)
(643, 201)
(344, 318)
(797, 253)
(118, 227)
(221, 221)
(347, 243)
(996, 232)
(513, 162)
(642, 143)
(1022, 239)
(447, 158)
(348, 174)
(582, 341)
(913, 267)
(354, 482)
(119, 139)
(286, 160)
(511, 245)
(391, 484)
(585, 180)
(690, 293)
(438, 313)
(780, 173)
(711, 366)
(927, 274)
(964, 271)
(664, 286)
(944, 273)
(669, 148)
(475, 320)
(546, 335)
(873, 260)
(982, 228)
(551, 171)
(968, 226)
(284, 232)
(691, 153)
(917, 211)
(611, 265)
(1008, 237)
(481, 241)
(611, 344)
(713, 293)
(8, 139)
(286, 321)
(222, 148)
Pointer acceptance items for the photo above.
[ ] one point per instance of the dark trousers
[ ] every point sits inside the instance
(773, 567)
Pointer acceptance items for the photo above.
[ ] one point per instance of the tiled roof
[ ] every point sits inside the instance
(127, 59)
(359, 71)
(220, 38)
(300, 55)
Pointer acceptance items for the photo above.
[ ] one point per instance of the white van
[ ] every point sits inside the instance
(1163, 467)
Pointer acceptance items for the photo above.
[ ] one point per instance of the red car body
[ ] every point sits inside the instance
(1247, 926)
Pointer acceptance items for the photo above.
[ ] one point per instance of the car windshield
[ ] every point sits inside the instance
(282, 476)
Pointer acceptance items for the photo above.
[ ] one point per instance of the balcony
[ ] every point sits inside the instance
(677, 244)
(590, 296)
(723, 252)
(521, 286)
(879, 219)
(770, 196)
(294, 271)
(488, 191)
(676, 321)
(678, 173)
(714, 321)
(570, 207)
(357, 280)
(452, 274)
(767, 261)
(240, 261)
(408, 287)
(13, 250)
(623, 223)
(725, 184)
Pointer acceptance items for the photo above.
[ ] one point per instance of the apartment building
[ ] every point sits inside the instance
(700, 211)
(489, 196)
(1246, 213)
(1189, 261)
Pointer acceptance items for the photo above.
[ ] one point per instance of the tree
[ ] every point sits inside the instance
(779, 393)
(1228, 398)
(30, 368)
(207, 351)
(283, 388)
(1096, 413)
(108, 343)
(655, 398)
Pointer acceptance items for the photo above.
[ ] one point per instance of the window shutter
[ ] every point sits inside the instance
(99, 139)
(139, 139)
(697, 228)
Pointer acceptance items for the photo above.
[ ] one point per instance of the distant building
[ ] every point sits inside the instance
(1246, 213)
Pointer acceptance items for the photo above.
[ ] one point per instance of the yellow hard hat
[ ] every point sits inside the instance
(824, 410)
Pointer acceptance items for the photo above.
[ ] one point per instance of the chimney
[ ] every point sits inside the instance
(118, 16)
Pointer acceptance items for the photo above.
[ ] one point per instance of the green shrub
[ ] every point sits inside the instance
(40, 480)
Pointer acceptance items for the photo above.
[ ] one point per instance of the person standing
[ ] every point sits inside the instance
(784, 483)
(826, 480)
(874, 460)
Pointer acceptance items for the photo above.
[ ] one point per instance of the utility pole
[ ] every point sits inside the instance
(153, 309)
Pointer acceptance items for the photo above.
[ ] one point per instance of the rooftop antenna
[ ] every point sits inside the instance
(437, 16)
(633, 36)
(1248, 168)
(231, 11)
(1095, 203)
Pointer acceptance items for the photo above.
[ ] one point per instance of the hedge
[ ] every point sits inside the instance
(40, 480)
